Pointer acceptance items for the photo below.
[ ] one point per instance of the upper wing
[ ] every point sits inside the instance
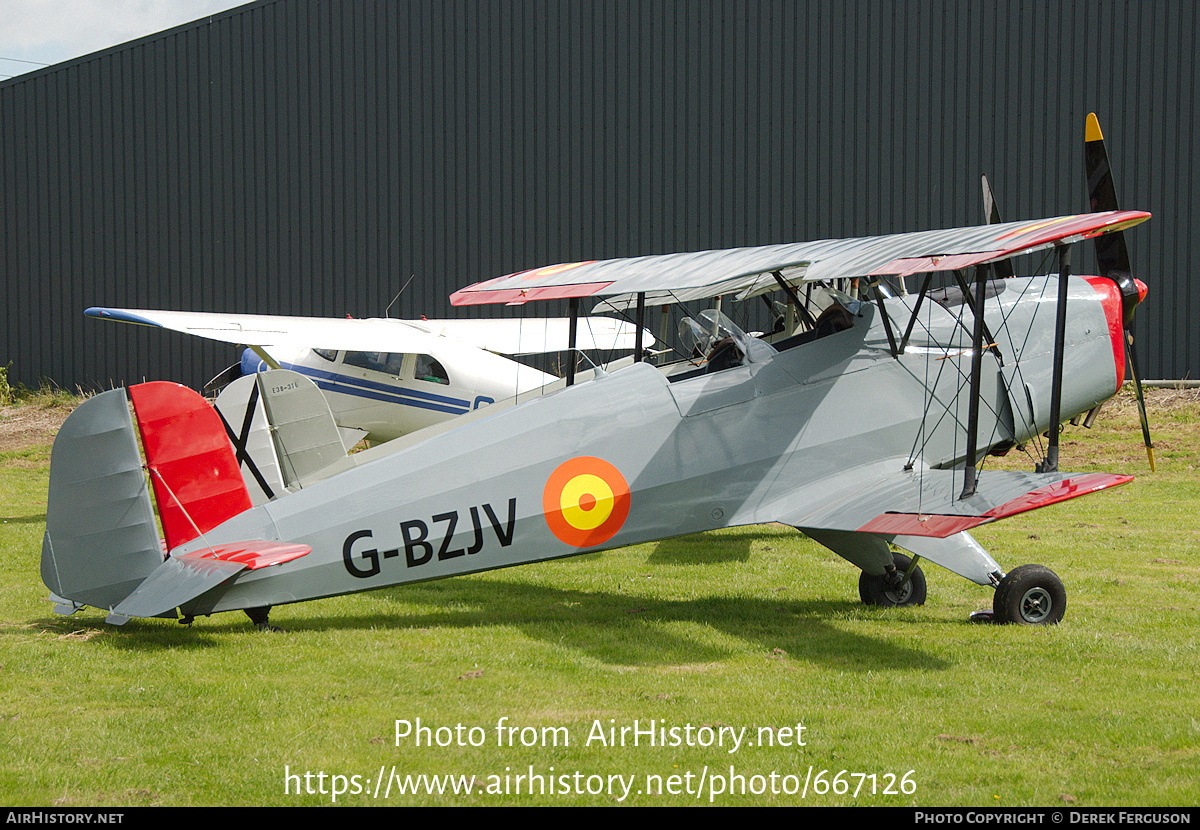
(503, 336)
(538, 336)
(747, 271)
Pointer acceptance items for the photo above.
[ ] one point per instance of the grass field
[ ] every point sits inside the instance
(521, 677)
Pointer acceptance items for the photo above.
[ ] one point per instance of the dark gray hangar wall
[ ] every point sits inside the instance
(298, 157)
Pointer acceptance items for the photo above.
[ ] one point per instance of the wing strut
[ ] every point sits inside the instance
(1050, 464)
(971, 303)
(801, 306)
(641, 320)
(887, 321)
(571, 339)
(912, 320)
(981, 272)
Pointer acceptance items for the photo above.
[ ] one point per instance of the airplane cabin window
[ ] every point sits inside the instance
(326, 354)
(429, 369)
(388, 363)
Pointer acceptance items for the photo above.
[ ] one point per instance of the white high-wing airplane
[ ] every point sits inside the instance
(386, 377)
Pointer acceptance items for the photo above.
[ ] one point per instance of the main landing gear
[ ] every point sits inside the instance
(1030, 595)
(258, 616)
(902, 584)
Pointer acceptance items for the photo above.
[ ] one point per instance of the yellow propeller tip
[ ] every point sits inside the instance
(1092, 130)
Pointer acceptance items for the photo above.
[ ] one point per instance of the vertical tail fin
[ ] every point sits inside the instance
(101, 546)
(282, 430)
(101, 538)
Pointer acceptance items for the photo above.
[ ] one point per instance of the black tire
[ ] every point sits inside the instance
(882, 590)
(1030, 595)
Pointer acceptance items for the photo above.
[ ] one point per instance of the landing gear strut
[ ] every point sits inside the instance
(258, 616)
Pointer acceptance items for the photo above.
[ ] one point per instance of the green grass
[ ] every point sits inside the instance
(754, 627)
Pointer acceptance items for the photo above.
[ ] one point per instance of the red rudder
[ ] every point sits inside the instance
(196, 479)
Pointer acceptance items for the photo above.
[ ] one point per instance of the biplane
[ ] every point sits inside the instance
(865, 423)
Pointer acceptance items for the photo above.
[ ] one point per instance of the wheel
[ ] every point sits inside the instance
(886, 589)
(1030, 595)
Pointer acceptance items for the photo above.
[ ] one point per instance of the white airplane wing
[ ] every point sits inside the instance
(748, 271)
(538, 336)
(502, 336)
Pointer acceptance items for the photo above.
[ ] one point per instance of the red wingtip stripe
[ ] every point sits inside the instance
(941, 526)
(474, 295)
(920, 524)
(1069, 488)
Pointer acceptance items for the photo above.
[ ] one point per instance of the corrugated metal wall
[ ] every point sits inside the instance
(302, 157)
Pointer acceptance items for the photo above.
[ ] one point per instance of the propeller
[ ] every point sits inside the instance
(1112, 256)
(991, 211)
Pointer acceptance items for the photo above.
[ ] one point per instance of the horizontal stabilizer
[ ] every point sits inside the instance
(182, 578)
(923, 502)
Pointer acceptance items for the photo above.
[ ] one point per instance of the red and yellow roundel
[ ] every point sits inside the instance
(586, 501)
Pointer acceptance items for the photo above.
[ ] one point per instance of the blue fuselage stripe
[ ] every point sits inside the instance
(360, 388)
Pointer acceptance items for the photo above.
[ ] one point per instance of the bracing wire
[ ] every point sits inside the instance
(925, 430)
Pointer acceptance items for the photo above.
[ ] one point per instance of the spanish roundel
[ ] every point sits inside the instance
(586, 501)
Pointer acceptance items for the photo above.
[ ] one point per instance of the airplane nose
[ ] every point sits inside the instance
(251, 363)
(1114, 315)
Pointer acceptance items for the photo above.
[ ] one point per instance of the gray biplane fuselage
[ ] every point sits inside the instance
(814, 434)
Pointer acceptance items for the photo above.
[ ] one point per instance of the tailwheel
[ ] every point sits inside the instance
(1030, 595)
(896, 587)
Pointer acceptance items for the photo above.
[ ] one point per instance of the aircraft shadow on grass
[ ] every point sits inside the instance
(35, 519)
(615, 628)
